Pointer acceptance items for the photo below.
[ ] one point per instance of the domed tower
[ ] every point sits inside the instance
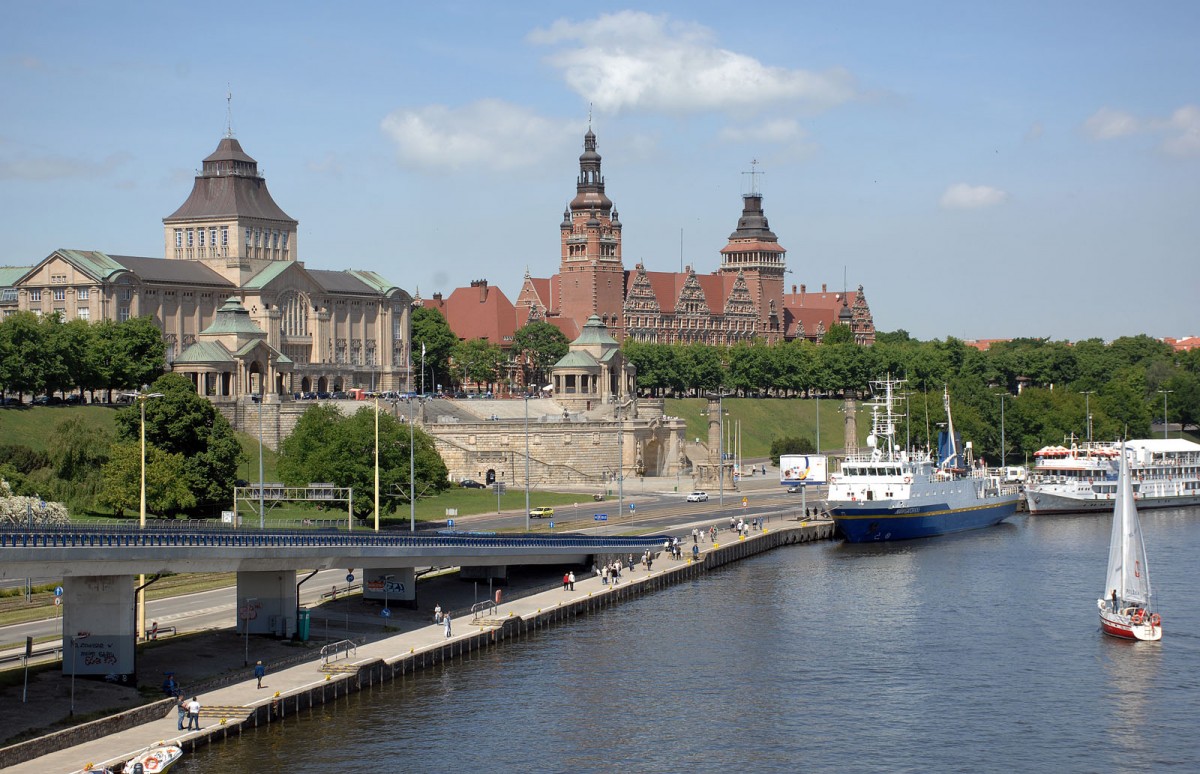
(754, 250)
(230, 220)
(591, 275)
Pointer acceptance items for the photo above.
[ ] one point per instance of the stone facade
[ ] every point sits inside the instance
(305, 329)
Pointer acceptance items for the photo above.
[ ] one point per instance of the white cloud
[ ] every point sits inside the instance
(41, 168)
(633, 60)
(487, 134)
(1108, 124)
(1179, 134)
(781, 130)
(962, 196)
(1184, 127)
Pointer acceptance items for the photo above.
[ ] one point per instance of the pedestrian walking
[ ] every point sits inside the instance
(193, 714)
(260, 672)
(446, 620)
(181, 706)
(571, 579)
(566, 581)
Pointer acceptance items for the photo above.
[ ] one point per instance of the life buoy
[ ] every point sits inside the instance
(1155, 619)
(1138, 616)
(150, 763)
(833, 479)
(908, 479)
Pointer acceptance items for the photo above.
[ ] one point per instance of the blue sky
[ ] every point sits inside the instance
(983, 169)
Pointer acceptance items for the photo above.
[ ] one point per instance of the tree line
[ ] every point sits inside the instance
(1049, 387)
(46, 355)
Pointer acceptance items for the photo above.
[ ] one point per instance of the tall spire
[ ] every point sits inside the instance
(589, 187)
(228, 111)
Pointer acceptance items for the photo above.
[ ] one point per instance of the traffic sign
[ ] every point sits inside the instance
(58, 591)
(350, 577)
(601, 517)
(449, 522)
(631, 507)
(386, 613)
(58, 600)
(248, 613)
(551, 525)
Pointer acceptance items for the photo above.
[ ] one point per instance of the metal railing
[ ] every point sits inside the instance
(347, 649)
(478, 608)
(85, 537)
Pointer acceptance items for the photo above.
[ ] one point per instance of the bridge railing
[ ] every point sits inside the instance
(84, 537)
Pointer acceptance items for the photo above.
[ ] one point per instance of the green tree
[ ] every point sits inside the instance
(24, 360)
(790, 444)
(327, 446)
(133, 353)
(477, 361)
(429, 328)
(181, 422)
(838, 334)
(539, 345)
(167, 490)
(78, 452)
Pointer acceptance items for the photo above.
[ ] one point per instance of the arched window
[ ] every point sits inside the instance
(294, 314)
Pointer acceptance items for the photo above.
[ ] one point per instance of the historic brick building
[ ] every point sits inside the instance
(239, 312)
(743, 299)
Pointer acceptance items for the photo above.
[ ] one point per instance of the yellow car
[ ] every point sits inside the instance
(541, 513)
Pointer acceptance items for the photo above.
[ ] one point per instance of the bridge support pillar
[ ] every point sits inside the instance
(396, 586)
(98, 624)
(266, 603)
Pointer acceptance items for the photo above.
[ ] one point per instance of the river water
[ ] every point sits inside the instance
(975, 651)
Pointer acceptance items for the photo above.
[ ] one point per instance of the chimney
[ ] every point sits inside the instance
(822, 287)
(793, 290)
(437, 296)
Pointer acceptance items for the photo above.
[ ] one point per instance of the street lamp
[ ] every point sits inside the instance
(1003, 449)
(1087, 410)
(376, 461)
(526, 459)
(818, 423)
(412, 488)
(247, 614)
(262, 510)
(142, 396)
(1165, 393)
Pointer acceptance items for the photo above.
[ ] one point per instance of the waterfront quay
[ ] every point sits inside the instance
(353, 666)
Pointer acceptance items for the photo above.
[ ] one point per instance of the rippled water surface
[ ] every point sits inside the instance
(975, 651)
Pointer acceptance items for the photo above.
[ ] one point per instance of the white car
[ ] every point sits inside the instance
(698, 497)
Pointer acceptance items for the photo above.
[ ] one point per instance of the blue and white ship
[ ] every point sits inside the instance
(889, 493)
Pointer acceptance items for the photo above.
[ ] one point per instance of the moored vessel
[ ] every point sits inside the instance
(1082, 478)
(1127, 610)
(889, 493)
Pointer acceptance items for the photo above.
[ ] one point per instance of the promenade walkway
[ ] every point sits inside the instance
(300, 685)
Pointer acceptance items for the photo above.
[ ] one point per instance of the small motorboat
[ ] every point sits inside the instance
(156, 759)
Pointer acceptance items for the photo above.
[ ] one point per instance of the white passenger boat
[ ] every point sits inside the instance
(1082, 478)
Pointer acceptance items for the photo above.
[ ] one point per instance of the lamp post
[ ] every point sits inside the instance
(620, 461)
(412, 487)
(247, 614)
(1087, 411)
(262, 511)
(142, 396)
(1003, 450)
(1165, 393)
(376, 462)
(721, 448)
(526, 459)
(818, 423)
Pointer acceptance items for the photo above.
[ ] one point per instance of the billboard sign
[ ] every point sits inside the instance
(797, 469)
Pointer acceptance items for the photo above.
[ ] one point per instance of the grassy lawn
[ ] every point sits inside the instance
(33, 426)
(764, 419)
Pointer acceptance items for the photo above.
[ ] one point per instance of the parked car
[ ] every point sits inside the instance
(796, 489)
(698, 497)
(541, 513)
(470, 483)
(73, 400)
(47, 400)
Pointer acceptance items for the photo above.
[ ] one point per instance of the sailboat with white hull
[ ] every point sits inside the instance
(1127, 610)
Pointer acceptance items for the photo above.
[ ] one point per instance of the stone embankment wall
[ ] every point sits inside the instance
(341, 681)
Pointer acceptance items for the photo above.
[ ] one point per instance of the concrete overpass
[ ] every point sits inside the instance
(99, 566)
